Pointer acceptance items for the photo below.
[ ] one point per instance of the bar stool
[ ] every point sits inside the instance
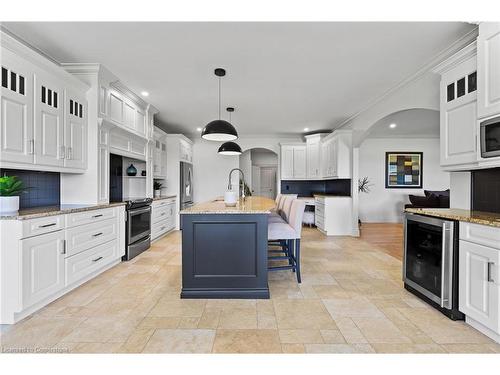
(289, 232)
(283, 209)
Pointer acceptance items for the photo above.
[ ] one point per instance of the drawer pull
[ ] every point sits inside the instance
(96, 259)
(96, 216)
(162, 228)
(489, 277)
(163, 213)
(47, 225)
(97, 234)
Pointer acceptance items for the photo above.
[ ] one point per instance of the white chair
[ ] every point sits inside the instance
(283, 209)
(289, 232)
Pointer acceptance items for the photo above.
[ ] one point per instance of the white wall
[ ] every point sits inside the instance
(211, 170)
(246, 166)
(387, 205)
(264, 158)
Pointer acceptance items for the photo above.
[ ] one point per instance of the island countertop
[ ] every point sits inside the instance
(477, 217)
(251, 205)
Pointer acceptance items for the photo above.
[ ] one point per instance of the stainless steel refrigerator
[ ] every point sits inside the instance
(186, 188)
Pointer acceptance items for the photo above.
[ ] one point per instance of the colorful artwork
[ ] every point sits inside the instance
(403, 170)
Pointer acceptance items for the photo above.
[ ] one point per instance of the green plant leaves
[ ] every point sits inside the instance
(11, 186)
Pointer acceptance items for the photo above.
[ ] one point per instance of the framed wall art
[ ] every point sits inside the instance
(403, 170)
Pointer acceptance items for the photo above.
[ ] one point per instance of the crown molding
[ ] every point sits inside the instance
(456, 46)
(120, 87)
(456, 59)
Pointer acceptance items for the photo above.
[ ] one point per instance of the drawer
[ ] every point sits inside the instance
(480, 234)
(319, 200)
(162, 227)
(87, 217)
(34, 227)
(320, 222)
(83, 264)
(86, 236)
(320, 210)
(163, 202)
(162, 213)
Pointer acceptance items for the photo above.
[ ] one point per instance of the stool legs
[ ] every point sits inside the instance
(297, 259)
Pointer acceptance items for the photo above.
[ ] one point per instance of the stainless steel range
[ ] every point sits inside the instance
(138, 227)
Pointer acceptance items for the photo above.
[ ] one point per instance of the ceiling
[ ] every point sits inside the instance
(281, 77)
(410, 123)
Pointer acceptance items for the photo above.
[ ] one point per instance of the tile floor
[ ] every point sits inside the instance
(351, 301)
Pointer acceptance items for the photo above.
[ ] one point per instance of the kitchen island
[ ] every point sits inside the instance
(224, 249)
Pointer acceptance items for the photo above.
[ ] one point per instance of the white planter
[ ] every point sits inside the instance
(9, 205)
(157, 193)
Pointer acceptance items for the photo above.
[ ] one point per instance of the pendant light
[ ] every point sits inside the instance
(230, 148)
(219, 130)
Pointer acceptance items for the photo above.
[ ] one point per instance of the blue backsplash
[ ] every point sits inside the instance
(307, 188)
(44, 187)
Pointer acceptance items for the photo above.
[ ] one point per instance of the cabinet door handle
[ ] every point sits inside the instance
(70, 153)
(96, 216)
(489, 277)
(97, 234)
(63, 152)
(32, 146)
(63, 247)
(96, 259)
(47, 225)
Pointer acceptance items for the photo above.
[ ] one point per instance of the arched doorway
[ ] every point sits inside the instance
(260, 166)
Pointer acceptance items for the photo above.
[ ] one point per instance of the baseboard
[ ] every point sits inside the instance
(484, 330)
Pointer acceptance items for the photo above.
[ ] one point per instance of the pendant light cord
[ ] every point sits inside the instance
(219, 98)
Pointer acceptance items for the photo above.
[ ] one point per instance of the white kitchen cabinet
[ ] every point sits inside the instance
(479, 284)
(488, 69)
(458, 114)
(115, 107)
(293, 162)
(162, 217)
(313, 157)
(129, 114)
(42, 267)
(16, 109)
(140, 122)
(48, 120)
(75, 130)
(37, 131)
(185, 151)
(336, 150)
(160, 155)
(333, 215)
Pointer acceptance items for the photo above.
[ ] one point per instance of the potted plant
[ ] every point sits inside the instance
(363, 187)
(157, 188)
(10, 189)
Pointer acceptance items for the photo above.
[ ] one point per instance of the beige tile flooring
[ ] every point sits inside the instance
(351, 301)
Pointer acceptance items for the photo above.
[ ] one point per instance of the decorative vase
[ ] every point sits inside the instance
(131, 171)
(157, 193)
(9, 205)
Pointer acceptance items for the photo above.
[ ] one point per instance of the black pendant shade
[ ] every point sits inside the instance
(219, 130)
(229, 148)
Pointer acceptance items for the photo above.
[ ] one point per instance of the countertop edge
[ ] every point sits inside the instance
(455, 216)
(66, 211)
(164, 197)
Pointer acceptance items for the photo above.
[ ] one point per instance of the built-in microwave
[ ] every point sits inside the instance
(490, 137)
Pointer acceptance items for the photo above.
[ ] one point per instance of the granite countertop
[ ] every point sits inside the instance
(331, 195)
(251, 205)
(36, 212)
(164, 197)
(476, 217)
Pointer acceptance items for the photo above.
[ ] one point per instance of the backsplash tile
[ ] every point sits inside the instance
(45, 187)
(486, 190)
(307, 188)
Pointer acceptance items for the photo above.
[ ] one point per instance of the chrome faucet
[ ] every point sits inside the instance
(230, 186)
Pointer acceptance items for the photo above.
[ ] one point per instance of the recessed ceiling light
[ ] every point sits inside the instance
(306, 129)
(392, 126)
(144, 93)
(199, 129)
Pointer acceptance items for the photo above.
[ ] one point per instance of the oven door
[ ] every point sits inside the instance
(490, 138)
(139, 224)
(428, 257)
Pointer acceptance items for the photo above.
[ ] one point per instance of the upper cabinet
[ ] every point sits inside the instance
(160, 155)
(293, 162)
(458, 114)
(488, 59)
(43, 113)
(321, 157)
(123, 108)
(185, 150)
